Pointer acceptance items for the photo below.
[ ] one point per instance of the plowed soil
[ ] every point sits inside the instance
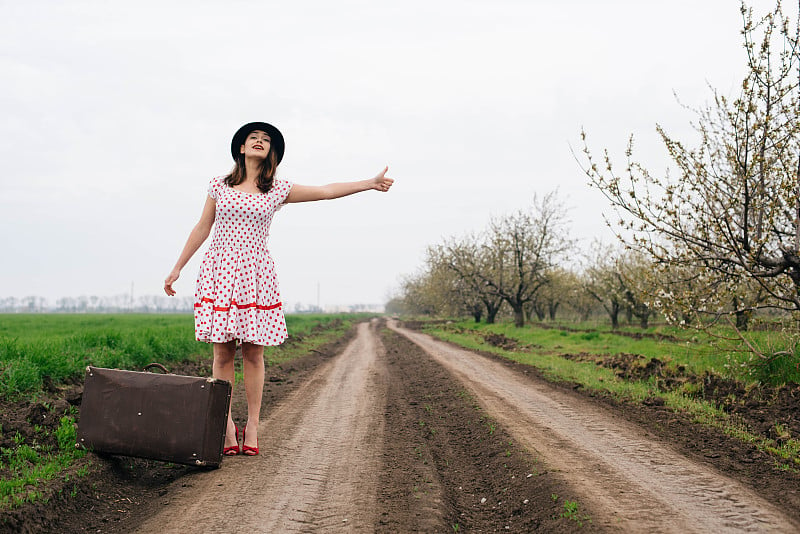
(393, 431)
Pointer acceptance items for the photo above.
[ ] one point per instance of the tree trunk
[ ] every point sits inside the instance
(492, 307)
(742, 316)
(742, 319)
(552, 308)
(537, 309)
(613, 312)
(519, 315)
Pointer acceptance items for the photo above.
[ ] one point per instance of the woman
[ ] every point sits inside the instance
(237, 296)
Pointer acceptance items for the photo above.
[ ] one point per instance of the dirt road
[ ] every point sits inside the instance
(388, 441)
(628, 481)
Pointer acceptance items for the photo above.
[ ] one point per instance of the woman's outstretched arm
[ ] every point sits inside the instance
(197, 237)
(308, 193)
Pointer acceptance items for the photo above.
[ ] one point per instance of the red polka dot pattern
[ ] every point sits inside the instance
(237, 295)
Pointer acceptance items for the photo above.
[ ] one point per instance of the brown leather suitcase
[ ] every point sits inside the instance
(167, 417)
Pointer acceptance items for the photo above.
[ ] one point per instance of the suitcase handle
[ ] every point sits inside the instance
(156, 365)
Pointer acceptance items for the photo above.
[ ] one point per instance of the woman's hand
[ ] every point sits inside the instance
(169, 281)
(382, 182)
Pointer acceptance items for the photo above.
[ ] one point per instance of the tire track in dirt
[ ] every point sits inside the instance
(320, 458)
(628, 482)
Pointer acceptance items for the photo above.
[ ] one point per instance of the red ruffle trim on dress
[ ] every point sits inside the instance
(235, 305)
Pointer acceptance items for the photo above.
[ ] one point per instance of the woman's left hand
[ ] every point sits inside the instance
(381, 182)
(171, 278)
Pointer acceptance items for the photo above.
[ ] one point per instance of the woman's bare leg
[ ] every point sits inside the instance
(223, 368)
(253, 367)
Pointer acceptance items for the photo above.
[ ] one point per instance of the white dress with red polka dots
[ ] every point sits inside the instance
(237, 294)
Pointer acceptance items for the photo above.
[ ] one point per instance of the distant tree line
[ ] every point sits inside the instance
(144, 304)
(95, 304)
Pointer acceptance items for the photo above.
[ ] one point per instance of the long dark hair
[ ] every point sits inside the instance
(266, 172)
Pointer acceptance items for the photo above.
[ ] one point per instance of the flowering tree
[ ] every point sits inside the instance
(730, 216)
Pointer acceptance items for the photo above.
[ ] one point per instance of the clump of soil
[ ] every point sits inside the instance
(501, 341)
(772, 412)
(632, 367)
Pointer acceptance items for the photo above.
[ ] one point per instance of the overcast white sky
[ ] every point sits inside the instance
(116, 115)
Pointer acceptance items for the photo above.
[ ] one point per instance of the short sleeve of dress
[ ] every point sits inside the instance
(214, 185)
(281, 189)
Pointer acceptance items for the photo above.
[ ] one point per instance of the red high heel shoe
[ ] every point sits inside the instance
(246, 449)
(233, 450)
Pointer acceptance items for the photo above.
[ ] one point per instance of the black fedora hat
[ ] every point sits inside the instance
(275, 136)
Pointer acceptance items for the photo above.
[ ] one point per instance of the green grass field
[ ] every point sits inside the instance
(55, 347)
(36, 347)
(58, 346)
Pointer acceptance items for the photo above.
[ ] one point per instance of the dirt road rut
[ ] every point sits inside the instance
(629, 483)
